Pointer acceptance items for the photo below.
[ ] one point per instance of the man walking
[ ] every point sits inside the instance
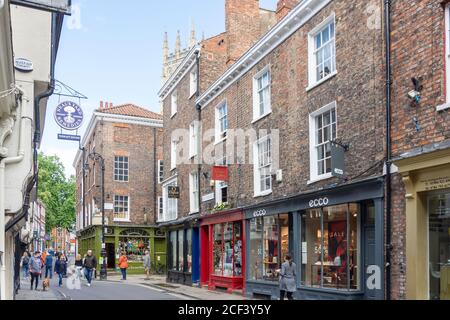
(48, 266)
(147, 264)
(89, 265)
(35, 269)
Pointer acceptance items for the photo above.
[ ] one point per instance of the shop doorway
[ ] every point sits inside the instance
(110, 255)
(439, 245)
(369, 247)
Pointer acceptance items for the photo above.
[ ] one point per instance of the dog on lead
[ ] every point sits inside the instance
(45, 284)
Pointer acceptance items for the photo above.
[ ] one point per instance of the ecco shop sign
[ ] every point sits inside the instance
(259, 213)
(321, 202)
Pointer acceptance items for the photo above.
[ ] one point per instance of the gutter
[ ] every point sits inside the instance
(387, 30)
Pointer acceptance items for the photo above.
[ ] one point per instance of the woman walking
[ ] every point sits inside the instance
(25, 264)
(79, 265)
(147, 264)
(288, 284)
(61, 268)
(123, 265)
(35, 269)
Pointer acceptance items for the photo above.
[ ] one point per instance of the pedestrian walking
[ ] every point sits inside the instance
(49, 266)
(78, 265)
(123, 265)
(25, 264)
(288, 284)
(36, 266)
(61, 269)
(89, 265)
(147, 264)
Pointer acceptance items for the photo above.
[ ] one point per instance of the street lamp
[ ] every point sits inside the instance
(96, 157)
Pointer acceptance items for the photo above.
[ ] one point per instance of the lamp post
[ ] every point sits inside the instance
(96, 157)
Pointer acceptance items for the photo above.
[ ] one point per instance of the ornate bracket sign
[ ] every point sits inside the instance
(69, 116)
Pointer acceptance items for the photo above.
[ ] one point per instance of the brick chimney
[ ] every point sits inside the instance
(284, 7)
(101, 105)
(242, 24)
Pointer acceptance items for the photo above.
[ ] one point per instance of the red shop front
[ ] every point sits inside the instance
(222, 243)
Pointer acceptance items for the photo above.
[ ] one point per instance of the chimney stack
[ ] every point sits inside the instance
(284, 7)
(242, 24)
(101, 105)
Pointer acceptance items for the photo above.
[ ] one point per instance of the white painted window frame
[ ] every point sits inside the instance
(256, 101)
(160, 209)
(166, 217)
(173, 154)
(173, 103)
(257, 169)
(127, 219)
(160, 172)
(314, 176)
(114, 171)
(193, 81)
(312, 61)
(220, 135)
(194, 192)
(193, 139)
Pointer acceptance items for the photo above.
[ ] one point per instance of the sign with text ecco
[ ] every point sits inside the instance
(320, 202)
(259, 213)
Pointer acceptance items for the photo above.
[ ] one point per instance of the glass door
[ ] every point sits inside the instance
(439, 246)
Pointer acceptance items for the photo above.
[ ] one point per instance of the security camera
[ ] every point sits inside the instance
(414, 95)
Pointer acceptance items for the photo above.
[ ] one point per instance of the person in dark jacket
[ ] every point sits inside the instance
(89, 265)
(48, 266)
(61, 269)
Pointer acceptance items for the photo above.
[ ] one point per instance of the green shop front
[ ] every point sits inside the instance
(134, 240)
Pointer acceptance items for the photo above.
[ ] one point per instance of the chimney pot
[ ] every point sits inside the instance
(101, 105)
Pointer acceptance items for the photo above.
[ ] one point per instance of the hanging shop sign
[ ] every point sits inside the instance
(62, 6)
(23, 64)
(337, 161)
(69, 137)
(173, 192)
(220, 173)
(69, 115)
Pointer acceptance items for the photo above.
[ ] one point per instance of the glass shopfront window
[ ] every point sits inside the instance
(180, 250)
(134, 242)
(227, 253)
(330, 247)
(173, 250)
(269, 243)
(439, 246)
(189, 250)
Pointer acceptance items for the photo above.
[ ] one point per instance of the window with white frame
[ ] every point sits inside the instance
(160, 209)
(323, 130)
(173, 155)
(193, 139)
(221, 187)
(170, 205)
(262, 94)
(160, 171)
(193, 81)
(194, 192)
(221, 121)
(174, 102)
(447, 49)
(121, 208)
(121, 169)
(322, 51)
(263, 166)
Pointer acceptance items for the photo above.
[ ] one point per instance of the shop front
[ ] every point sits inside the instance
(336, 239)
(427, 183)
(134, 241)
(223, 240)
(183, 249)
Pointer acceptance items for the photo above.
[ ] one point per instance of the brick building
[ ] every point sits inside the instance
(130, 140)
(199, 69)
(421, 150)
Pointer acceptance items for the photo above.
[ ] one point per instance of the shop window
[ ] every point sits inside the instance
(173, 251)
(227, 253)
(134, 242)
(189, 250)
(269, 244)
(180, 250)
(439, 246)
(330, 247)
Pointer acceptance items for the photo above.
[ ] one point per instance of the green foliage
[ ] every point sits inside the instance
(56, 192)
(222, 206)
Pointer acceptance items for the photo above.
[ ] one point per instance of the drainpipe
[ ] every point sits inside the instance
(155, 175)
(199, 149)
(387, 30)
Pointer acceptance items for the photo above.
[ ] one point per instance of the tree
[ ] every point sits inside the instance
(56, 192)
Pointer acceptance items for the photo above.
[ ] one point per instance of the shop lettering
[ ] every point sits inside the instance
(319, 202)
(259, 213)
(374, 278)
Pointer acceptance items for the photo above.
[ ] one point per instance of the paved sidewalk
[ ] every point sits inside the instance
(194, 293)
(26, 294)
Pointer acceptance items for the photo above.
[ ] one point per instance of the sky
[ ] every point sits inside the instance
(111, 50)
